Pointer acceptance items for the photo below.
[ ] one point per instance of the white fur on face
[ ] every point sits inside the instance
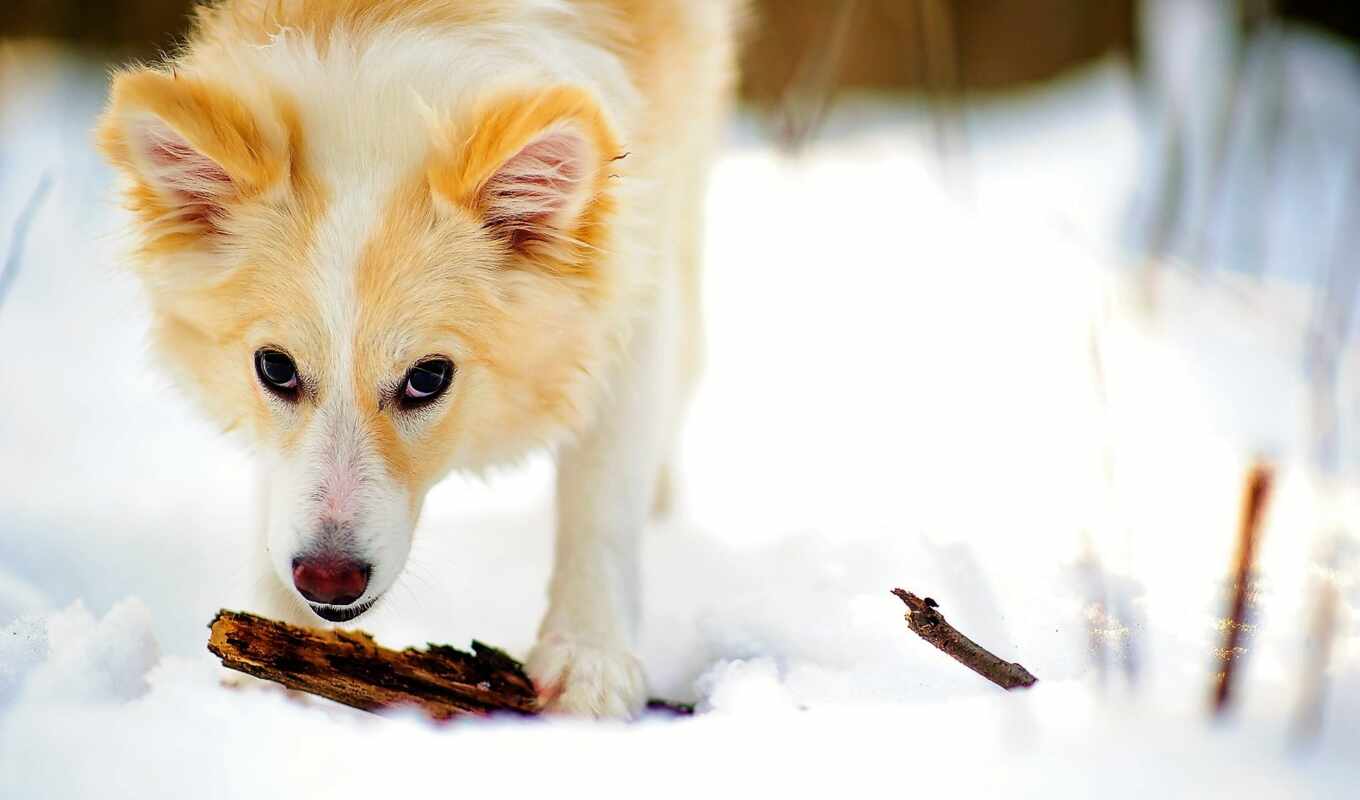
(334, 496)
(364, 115)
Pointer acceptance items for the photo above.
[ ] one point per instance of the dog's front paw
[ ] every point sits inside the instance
(586, 679)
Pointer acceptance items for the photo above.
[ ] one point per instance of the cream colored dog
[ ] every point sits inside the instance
(386, 240)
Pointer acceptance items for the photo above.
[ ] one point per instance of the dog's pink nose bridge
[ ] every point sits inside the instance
(338, 494)
(345, 450)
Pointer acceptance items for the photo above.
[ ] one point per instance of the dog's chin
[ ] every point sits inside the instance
(341, 613)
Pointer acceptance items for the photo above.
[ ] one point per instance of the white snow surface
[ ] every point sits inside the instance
(900, 393)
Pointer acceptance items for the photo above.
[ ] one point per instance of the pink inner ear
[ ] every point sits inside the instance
(536, 193)
(198, 185)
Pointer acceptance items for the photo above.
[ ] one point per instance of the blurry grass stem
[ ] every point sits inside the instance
(1333, 315)
(807, 98)
(939, 54)
(1258, 485)
(1321, 635)
(22, 223)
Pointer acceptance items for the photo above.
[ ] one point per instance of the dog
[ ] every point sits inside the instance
(384, 240)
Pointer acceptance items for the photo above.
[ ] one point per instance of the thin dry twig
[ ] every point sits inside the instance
(1259, 480)
(927, 622)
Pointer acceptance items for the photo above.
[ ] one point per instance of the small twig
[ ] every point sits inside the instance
(928, 623)
(672, 708)
(10, 269)
(1259, 480)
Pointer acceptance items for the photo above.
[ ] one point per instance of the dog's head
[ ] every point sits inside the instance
(372, 303)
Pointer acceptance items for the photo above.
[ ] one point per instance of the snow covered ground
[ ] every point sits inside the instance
(900, 393)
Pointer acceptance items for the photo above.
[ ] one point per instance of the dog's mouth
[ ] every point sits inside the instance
(341, 613)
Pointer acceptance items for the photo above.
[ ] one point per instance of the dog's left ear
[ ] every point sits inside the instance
(533, 167)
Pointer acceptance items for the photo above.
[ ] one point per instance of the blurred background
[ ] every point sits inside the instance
(1224, 90)
(1073, 269)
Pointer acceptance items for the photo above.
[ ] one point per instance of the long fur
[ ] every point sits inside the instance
(513, 185)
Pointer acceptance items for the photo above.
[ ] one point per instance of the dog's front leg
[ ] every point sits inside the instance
(583, 662)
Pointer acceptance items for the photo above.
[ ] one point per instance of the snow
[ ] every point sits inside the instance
(71, 657)
(900, 392)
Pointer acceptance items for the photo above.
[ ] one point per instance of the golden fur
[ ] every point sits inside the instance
(203, 322)
(257, 164)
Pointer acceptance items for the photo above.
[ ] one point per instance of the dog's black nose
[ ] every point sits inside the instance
(332, 580)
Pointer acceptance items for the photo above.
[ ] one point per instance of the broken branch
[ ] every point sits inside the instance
(927, 622)
(350, 668)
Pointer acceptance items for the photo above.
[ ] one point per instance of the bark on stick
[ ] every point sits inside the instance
(925, 620)
(349, 667)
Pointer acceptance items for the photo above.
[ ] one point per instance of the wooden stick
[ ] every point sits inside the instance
(927, 622)
(1253, 503)
(349, 667)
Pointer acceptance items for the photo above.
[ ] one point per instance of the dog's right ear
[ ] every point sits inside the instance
(192, 150)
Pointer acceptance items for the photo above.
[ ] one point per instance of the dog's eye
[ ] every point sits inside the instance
(277, 372)
(426, 381)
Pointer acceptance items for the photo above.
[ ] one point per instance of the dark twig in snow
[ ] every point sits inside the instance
(10, 269)
(925, 620)
(1259, 480)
